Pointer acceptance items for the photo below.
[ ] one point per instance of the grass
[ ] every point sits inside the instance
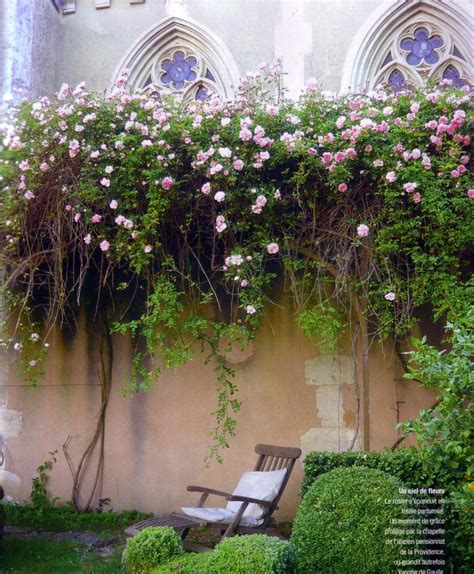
(63, 517)
(25, 556)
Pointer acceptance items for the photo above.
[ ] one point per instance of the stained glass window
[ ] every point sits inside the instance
(396, 81)
(201, 93)
(422, 47)
(179, 70)
(451, 73)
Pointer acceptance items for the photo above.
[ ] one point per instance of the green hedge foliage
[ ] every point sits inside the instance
(340, 526)
(151, 548)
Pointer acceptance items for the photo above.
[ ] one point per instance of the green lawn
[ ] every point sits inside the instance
(25, 556)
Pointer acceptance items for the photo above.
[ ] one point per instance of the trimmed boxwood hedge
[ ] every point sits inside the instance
(253, 554)
(407, 465)
(153, 547)
(340, 526)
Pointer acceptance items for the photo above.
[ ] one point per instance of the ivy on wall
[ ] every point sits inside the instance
(155, 207)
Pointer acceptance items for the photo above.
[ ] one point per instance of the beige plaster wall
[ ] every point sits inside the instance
(156, 442)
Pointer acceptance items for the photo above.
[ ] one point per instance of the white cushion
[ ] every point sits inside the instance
(218, 515)
(261, 485)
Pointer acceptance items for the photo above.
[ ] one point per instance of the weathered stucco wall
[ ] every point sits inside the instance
(156, 442)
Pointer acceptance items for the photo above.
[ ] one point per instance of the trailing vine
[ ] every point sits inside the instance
(180, 217)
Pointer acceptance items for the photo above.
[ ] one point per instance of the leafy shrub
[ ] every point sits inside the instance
(340, 525)
(154, 546)
(444, 459)
(404, 463)
(255, 554)
(188, 564)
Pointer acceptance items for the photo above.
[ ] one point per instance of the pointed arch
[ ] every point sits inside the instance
(181, 55)
(382, 46)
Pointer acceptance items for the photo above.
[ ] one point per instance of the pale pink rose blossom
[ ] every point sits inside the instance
(87, 239)
(148, 249)
(24, 165)
(362, 230)
(113, 204)
(95, 154)
(225, 152)
(77, 216)
(455, 173)
(105, 182)
(342, 187)
(416, 197)
(44, 167)
(250, 309)
(29, 195)
(219, 196)
(221, 225)
(410, 186)
(391, 177)
(272, 248)
(68, 207)
(96, 218)
(390, 296)
(470, 193)
(206, 188)
(238, 164)
(109, 169)
(104, 245)
(244, 283)
(261, 201)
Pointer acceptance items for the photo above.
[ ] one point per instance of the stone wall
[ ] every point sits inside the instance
(156, 442)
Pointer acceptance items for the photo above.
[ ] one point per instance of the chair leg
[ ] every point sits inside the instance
(184, 533)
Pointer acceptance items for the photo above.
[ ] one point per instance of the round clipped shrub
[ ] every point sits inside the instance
(151, 548)
(188, 564)
(340, 525)
(254, 554)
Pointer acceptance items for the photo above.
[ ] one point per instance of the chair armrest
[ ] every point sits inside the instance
(206, 490)
(238, 498)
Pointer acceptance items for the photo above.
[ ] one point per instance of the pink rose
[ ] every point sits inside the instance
(238, 164)
(206, 188)
(96, 218)
(390, 296)
(148, 249)
(410, 186)
(113, 204)
(391, 177)
(416, 197)
(342, 187)
(167, 183)
(362, 230)
(87, 239)
(105, 182)
(77, 216)
(470, 193)
(104, 245)
(272, 248)
(250, 309)
(221, 225)
(261, 201)
(219, 196)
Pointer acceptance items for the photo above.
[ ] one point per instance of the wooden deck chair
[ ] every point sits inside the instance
(270, 458)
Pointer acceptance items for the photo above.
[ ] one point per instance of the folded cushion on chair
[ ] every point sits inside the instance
(254, 484)
(218, 515)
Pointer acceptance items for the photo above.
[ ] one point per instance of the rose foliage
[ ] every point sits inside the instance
(155, 208)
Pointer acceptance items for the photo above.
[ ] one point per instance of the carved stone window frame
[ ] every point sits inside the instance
(216, 70)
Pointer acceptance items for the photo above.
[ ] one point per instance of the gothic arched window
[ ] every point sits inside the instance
(411, 43)
(180, 56)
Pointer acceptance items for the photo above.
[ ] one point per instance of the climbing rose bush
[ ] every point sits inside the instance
(361, 201)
